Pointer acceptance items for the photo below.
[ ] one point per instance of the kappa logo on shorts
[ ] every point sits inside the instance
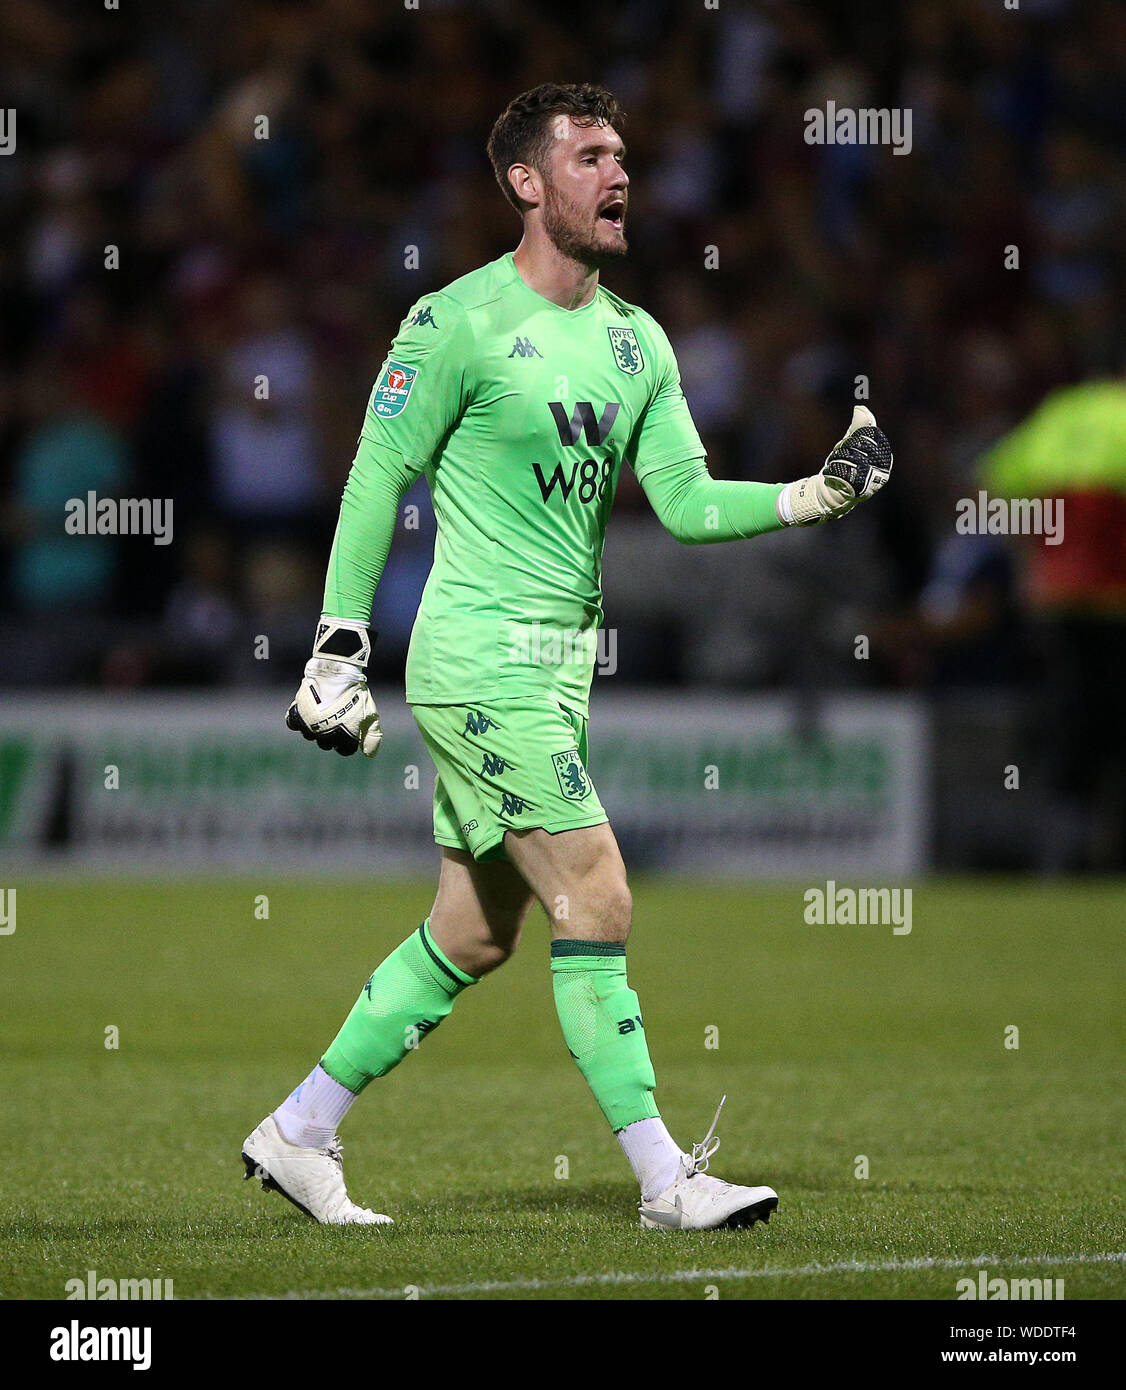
(493, 766)
(465, 829)
(391, 392)
(478, 723)
(573, 780)
(512, 805)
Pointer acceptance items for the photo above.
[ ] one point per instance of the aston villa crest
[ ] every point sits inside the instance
(627, 350)
(573, 781)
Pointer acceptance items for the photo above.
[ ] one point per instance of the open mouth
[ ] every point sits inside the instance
(614, 213)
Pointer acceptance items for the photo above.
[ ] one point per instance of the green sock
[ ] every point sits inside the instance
(602, 1026)
(406, 998)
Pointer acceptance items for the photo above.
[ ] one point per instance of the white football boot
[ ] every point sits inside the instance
(695, 1202)
(312, 1179)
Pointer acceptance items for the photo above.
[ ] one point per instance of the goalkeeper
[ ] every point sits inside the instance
(520, 390)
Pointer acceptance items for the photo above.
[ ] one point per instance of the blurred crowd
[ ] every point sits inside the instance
(156, 259)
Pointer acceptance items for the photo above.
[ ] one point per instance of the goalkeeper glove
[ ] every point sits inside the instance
(333, 704)
(856, 468)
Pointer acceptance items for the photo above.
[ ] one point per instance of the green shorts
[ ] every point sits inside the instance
(517, 764)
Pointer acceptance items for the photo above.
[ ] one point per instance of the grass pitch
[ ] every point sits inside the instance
(833, 1042)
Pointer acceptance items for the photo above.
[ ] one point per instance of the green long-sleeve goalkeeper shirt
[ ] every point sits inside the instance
(521, 413)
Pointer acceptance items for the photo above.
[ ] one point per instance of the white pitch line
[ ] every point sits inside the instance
(684, 1276)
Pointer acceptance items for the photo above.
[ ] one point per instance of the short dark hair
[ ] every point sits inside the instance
(522, 133)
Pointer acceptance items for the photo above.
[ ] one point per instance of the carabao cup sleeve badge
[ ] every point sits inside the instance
(390, 393)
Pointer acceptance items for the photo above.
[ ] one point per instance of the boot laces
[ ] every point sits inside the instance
(703, 1151)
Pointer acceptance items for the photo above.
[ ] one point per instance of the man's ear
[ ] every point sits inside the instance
(525, 183)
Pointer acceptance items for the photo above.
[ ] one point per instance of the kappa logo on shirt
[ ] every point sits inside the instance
(391, 392)
(524, 347)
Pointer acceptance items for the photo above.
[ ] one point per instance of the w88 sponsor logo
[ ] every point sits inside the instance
(588, 479)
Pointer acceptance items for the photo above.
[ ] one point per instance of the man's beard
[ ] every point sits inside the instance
(571, 238)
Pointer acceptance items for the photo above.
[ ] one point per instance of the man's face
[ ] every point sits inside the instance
(584, 203)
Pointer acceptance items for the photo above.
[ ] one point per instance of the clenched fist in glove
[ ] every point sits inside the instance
(856, 468)
(333, 704)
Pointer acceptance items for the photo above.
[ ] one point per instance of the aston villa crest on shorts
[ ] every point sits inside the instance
(627, 350)
(573, 781)
(389, 396)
